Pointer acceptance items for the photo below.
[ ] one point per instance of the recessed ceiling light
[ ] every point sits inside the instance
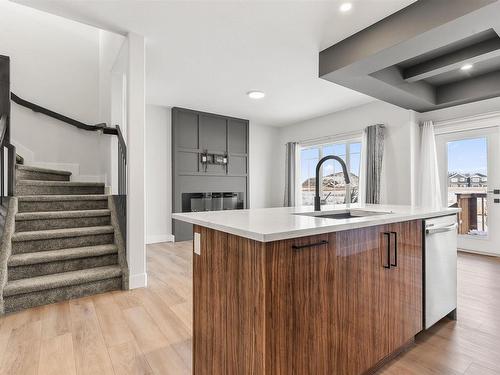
(466, 67)
(256, 94)
(345, 7)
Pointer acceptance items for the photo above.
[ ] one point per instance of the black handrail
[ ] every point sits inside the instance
(3, 130)
(122, 163)
(11, 158)
(80, 125)
(3, 127)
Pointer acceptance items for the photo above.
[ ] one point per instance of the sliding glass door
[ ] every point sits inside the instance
(469, 168)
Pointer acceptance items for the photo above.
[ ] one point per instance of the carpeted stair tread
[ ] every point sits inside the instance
(61, 254)
(60, 280)
(58, 183)
(56, 198)
(42, 170)
(61, 233)
(52, 187)
(44, 215)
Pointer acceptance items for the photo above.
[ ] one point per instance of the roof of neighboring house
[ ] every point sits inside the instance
(466, 175)
(331, 181)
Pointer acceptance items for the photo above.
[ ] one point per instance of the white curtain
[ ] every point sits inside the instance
(428, 182)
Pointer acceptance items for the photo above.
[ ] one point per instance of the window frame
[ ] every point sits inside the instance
(331, 142)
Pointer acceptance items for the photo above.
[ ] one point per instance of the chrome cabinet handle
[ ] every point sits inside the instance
(442, 229)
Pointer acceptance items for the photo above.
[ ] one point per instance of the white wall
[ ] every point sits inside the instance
(263, 149)
(158, 174)
(398, 164)
(54, 63)
(136, 161)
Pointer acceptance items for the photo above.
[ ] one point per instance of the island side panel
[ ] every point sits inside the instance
(228, 305)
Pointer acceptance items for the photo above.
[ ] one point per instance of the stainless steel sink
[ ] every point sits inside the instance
(344, 214)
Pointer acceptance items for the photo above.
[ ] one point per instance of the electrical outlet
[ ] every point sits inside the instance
(197, 243)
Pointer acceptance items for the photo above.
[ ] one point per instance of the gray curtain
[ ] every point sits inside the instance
(374, 157)
(290, 171)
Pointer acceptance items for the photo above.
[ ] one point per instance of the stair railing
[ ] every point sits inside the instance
(102, 127)
(11, 159)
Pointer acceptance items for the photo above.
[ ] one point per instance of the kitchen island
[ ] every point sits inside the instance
(285, 291)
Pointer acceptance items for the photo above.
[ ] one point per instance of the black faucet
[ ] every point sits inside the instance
(317, 200)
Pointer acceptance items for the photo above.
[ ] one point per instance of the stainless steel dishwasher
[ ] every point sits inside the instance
(440, 269)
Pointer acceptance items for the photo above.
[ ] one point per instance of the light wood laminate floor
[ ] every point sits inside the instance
(148, 331)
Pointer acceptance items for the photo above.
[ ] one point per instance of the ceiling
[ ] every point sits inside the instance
(430, 55)
(207, 55)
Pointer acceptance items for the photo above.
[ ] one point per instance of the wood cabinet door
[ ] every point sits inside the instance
(301, 301)
(403, 282)
(326, 303)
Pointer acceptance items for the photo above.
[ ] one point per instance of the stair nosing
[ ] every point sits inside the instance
(62, 197)
(40, 257)
(59, 280)
(58, 183)
(42, 170)
(60, 233)
(67, 214)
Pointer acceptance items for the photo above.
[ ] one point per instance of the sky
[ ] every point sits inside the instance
(309, 159)
(468, 156)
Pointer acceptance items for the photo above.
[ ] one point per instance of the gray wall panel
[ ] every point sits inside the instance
(237, 137)
(237, 165)
(213, 135)
(186, 130)
(187, 162)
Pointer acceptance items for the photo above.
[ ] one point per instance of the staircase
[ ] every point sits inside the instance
(65, 242)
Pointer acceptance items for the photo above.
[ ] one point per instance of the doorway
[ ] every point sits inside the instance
(469, 168)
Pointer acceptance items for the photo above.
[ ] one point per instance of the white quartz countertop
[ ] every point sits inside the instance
(272, 224)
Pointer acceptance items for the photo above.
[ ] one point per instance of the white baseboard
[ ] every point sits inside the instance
(139, 280)
(486, 253)
(156, 238)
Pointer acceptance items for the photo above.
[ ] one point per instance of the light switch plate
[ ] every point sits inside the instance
(197, 243)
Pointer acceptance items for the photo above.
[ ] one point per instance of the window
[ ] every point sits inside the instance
(332, 188)
(469, 156)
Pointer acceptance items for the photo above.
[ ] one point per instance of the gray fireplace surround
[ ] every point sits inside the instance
(220, 183)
